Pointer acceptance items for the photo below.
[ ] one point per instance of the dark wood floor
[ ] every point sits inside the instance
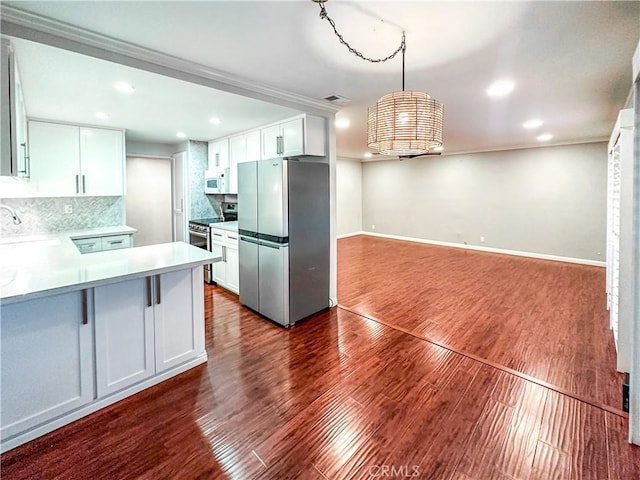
(338, 396)
(543, 318)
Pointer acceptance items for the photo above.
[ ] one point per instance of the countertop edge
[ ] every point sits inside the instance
(104, 281)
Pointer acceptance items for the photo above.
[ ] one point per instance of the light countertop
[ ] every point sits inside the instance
(42, 265)
(230, 226)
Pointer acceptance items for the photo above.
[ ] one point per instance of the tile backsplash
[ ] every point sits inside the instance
(46, 214)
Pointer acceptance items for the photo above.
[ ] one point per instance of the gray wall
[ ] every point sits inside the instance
(348, 195)
(549, 200)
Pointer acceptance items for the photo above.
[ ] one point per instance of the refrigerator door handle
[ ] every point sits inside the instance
(275, 245)
(249, 240)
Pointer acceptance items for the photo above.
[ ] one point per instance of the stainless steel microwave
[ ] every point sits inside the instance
(215, 182)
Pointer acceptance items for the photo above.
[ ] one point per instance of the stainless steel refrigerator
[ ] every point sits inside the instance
(283, 222)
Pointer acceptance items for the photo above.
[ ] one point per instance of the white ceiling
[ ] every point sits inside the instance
(66, 86)
(571, 61)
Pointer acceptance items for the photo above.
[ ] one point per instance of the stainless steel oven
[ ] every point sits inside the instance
(200, 236)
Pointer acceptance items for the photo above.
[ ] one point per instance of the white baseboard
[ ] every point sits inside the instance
(543, 256)
(351, 234)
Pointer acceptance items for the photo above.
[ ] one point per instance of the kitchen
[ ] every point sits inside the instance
(317, 398)
(81, 218)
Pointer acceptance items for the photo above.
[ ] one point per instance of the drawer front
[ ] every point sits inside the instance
(218, 235)
(226, 237)
(88, 245)
(232, 239)
(115, 242)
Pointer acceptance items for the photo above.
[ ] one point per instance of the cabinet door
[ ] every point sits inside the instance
(218, 154)
(102, 162)
(270, 142)
(253, 146)
(46, 361)
(179, 317)
(233, 269)
(219, 268)
(293, 138)
(54, 158)
(237, 154)
(124, 334)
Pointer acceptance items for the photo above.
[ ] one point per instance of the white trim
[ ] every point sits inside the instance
(351, 234)
(31, 26)
(542, 256)
(8, 444)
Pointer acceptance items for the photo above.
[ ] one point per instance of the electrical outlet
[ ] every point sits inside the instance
(373, 227)
(481, 239)
(68, 209)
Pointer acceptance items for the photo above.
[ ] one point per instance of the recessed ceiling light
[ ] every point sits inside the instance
(501, 88)
(123, 87)
(101, 115)
(438, 149)
(214, 121)
(368, 155)
(545, 137)
(181, 135)
(342, 123)
(533, 123)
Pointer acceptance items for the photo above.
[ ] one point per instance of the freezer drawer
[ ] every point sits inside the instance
(273, 282)
(248, 259)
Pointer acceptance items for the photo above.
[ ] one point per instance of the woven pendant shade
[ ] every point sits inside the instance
(405, 123)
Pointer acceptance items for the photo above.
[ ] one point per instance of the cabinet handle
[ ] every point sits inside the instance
(217, 159)
(281, 144)
(224, 254)
(158, 289)
(85, 313)
(115, 242)
(84, 184)
(149, 299)
(77, 183)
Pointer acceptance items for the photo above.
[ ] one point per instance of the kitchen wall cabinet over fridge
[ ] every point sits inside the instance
(302, 135)
(68, 160)
(242, 148)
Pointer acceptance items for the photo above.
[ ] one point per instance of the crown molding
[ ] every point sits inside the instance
(37, 28)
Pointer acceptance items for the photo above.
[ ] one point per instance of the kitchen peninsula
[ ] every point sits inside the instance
(80, 332)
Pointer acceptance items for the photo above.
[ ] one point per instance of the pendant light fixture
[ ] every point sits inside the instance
(403, 123)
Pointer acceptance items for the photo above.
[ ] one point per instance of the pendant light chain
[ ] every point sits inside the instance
(403, 46)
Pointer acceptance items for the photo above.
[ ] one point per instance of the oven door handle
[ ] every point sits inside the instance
(198, 234)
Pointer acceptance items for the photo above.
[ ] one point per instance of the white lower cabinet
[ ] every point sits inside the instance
(146, 326)
(124, 325)
(46, 360)
(178, 323)
(226, 273)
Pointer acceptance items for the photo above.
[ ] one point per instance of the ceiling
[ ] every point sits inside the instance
(570, 62)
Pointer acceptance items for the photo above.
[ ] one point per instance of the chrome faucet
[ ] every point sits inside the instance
(14, 215)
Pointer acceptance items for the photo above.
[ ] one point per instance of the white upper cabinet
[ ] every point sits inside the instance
(101, 162)
(242, 148)
(54, 157)
(303, 135)
(67, 160)
(218, 153)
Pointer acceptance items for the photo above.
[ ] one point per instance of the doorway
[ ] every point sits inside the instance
(148, 200)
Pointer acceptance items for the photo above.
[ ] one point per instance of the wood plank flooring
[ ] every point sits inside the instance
(543, 318)
(338, 396)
